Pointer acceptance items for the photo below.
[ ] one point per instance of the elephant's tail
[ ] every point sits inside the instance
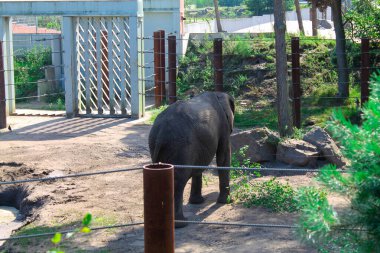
(156, 152)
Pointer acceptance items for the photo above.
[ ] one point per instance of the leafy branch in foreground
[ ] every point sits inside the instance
(358, 228)
(57, 238)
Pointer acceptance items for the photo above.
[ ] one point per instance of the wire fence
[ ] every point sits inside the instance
(136, 168)
(238, 79)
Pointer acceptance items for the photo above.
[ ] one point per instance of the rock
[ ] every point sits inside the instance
(326, 145)
(325, 24)
(297, 152)
(262, 144)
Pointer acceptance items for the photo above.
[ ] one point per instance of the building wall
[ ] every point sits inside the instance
(160, 15)
(233, 25)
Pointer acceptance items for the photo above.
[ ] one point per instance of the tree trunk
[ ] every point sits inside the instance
(283, 106)
(217, 16)
(299, 16)
(313, 17)
(343, 87)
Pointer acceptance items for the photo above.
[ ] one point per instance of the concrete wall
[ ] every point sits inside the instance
(233, 25)
(160, 15)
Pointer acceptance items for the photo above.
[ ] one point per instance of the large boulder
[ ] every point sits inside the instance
(297, 152)
(262, 144)
(326, 145)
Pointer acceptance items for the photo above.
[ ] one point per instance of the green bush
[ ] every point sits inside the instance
(271, 194)
(239, 159)
(29, 69)
(357, 229)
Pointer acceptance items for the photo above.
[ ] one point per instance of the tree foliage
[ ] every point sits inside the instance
(200, 3)
(364, 19)
(356, 229)
(230, 2)
(261, 7)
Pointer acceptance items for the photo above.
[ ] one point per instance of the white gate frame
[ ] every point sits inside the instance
(133, 9)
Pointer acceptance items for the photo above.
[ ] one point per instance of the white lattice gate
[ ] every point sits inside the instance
(103, 65)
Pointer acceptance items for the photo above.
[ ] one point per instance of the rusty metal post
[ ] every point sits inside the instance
(364, 82)
(218, 64)
(163, 66)
(3, 111)
(158, 180)
(296, 82)
(157, 72)
(172, 51)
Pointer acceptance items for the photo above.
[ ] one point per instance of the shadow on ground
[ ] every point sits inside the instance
(60, 128)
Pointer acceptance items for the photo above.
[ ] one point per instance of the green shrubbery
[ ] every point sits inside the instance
(271, 194)
(249, 74)
(29, 69)
(357, 229)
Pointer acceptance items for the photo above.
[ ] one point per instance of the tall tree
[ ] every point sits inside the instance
(343, 85)
(299, 16)
(217, 16)
(364, 19)
(285, 123)
(336, 6)
(261, 7)
(313, 17)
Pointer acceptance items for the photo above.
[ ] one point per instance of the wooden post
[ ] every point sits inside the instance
(364, 82)
(218, 64)
(3, 111)
(296, 82)
(158, 180)
(163, 66)
(157, 72)
(172, 51)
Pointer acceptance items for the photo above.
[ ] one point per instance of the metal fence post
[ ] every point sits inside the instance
(172, 51)
(296, 82)
(158, 180)
(364, 82)
(157, 72)
(3, 111)
(218, 64)
(163, 66)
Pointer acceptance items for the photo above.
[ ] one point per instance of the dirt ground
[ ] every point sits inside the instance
(52, 146)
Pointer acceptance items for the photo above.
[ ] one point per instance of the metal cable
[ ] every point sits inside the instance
(43, 80)
(238, 224)
(43, 95)
(139, 168)
(69, 231)
(68, 176)
(199, 167)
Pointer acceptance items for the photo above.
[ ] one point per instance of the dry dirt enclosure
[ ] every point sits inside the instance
(44, 146)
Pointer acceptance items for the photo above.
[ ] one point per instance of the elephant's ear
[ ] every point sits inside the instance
(232, 104)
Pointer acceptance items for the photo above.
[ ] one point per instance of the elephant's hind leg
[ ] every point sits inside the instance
(196, 189)
(223, 159)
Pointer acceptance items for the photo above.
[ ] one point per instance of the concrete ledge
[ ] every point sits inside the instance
(131, 8)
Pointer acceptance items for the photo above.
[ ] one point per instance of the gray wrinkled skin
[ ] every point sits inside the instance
(191, 133)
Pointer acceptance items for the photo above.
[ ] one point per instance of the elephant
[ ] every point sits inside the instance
(192, 132)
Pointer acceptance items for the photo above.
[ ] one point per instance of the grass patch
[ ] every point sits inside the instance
(43, 242)
(246, 118)
(154, 113)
